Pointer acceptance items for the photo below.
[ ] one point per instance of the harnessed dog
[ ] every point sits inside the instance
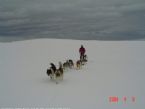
(83, 59)
(55, 74)
(71, 63)
(78, 65)
(50, 72)
(59, 73)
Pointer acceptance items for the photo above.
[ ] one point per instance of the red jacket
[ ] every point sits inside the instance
(82, 50)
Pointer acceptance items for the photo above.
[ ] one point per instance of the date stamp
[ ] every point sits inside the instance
(124, 99)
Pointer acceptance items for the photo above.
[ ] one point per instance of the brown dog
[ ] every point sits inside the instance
(78, 65)
(59, 73)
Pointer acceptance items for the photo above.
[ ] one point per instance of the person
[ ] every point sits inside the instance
(82, 51)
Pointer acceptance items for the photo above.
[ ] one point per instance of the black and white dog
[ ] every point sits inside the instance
(83, 59)
(71, 63)
(66, 65)
(55, 74)
(50, 72)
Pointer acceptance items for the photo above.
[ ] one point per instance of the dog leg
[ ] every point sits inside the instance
(51, 77)
(56, 80)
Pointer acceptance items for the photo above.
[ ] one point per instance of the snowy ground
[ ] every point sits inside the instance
(114, 69)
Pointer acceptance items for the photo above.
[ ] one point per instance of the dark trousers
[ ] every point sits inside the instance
(81, 56)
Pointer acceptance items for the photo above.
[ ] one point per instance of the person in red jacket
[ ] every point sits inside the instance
(82, 51)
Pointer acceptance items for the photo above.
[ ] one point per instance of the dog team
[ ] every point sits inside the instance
(57, 74)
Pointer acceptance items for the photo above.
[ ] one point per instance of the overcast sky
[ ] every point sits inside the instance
(80, 19)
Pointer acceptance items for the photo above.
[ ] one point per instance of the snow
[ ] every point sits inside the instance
(115, 68)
